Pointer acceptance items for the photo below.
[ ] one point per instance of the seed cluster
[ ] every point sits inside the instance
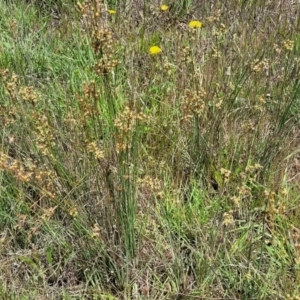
(126, 123)
(94, 14)
(150, 184)
(258, 66)
(226, 174)
(87, 100)
(95, 150)
(44, 134)
(10, 81)
(29, 94)
(15, 91)
(192, 104)
(28, 172)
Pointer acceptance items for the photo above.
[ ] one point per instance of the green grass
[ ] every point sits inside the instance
(126, 175)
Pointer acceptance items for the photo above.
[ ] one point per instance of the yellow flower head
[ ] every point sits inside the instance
(195, 24)
(112, 11)
(164, 7)
(154, 50)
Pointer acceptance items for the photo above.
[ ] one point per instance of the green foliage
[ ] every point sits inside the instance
(126, 174)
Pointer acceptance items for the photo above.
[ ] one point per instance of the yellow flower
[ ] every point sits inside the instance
(164, 7)
(112, 11)
(155, 50)
(195, 24)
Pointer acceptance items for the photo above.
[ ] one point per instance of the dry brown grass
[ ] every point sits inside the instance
(126, 175)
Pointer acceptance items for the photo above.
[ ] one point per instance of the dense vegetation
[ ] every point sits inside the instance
(150, 150)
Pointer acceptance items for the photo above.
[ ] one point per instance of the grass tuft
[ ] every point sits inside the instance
(149, 150)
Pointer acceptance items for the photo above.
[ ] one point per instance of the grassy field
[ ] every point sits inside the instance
(150, 150)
